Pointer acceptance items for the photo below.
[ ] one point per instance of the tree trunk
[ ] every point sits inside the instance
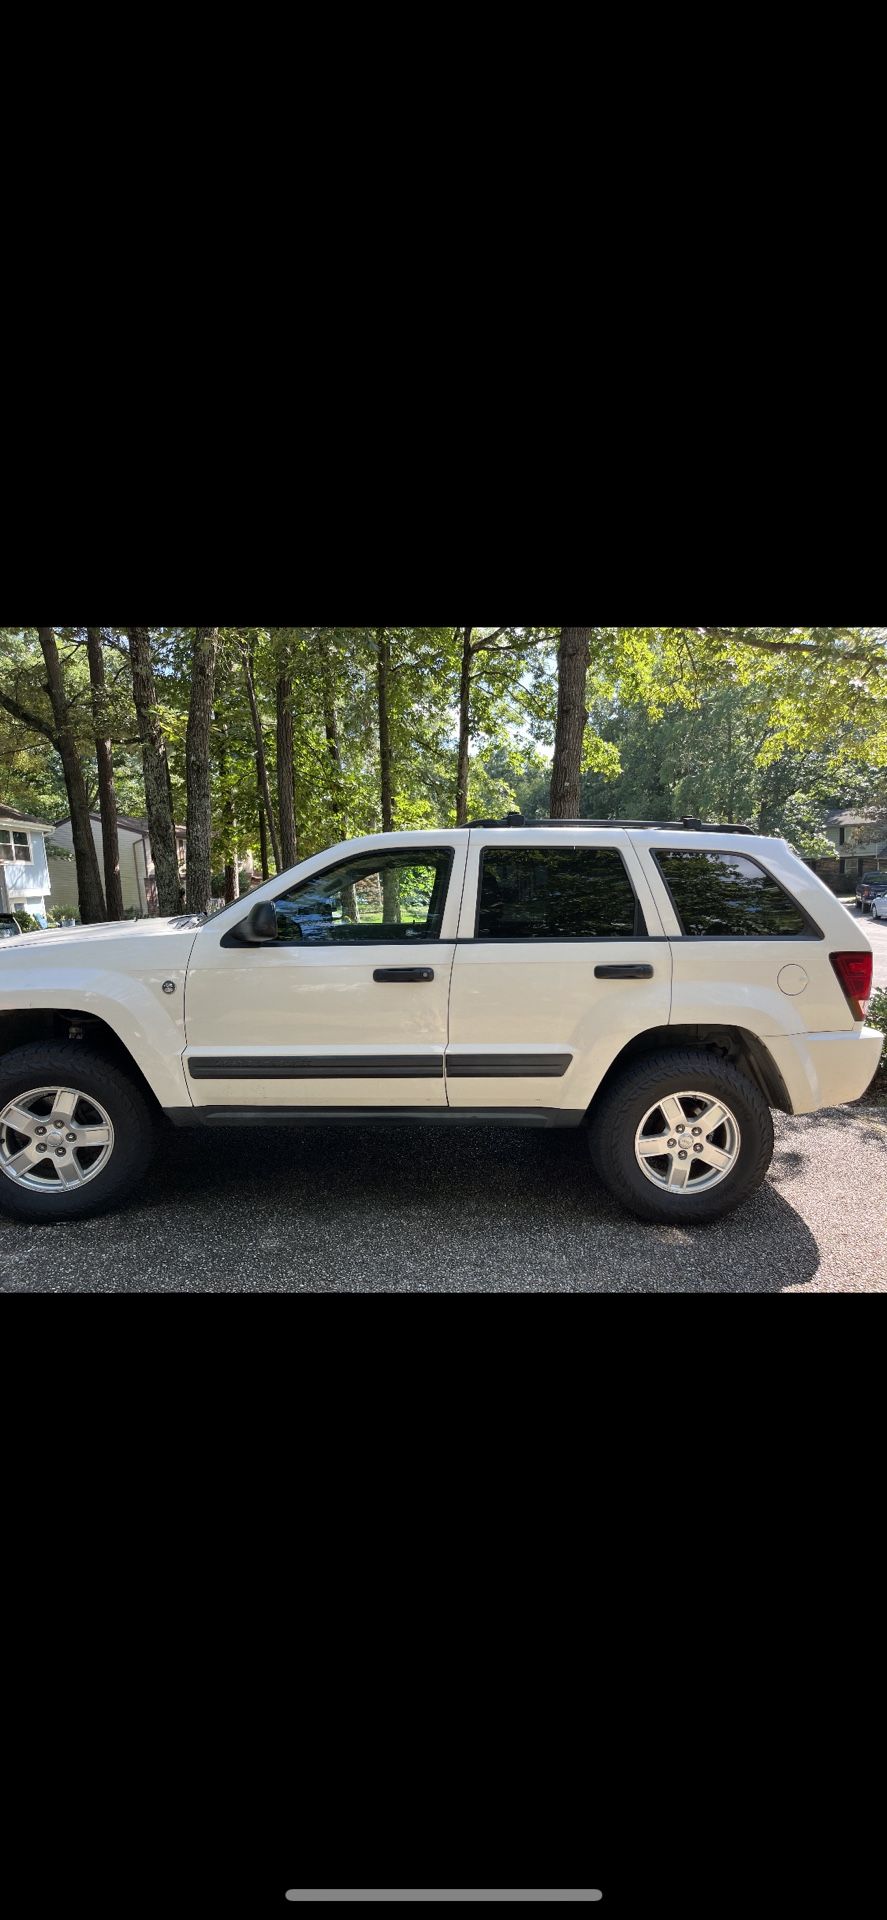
(331, 728)
(572, 718)
(198, 898)
(464, 728)
(229, 825)
(89, 883)
(261, 763)
(105, 765)
(285, 798)
(390, 887)
(155, 767)
(383, 674)
(263, 830)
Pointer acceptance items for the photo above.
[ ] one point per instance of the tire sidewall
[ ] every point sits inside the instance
(614, 1131)
(71, 1065)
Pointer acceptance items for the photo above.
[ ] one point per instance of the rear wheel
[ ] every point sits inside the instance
(681, 1136)
(75, 1133)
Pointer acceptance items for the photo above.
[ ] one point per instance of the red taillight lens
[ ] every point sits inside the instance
(854, 970)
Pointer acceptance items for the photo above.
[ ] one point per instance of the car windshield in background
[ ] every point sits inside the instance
(725, 896)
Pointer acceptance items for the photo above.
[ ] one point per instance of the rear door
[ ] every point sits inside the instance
(349, 1007)
(561, 959)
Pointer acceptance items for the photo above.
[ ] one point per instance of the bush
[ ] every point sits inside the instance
(27, 922)
(877, 1013)
(877, 1017)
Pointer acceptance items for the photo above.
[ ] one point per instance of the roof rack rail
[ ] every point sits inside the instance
(687, 825)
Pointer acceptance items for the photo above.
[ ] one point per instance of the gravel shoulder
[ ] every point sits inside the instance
(471, 1210)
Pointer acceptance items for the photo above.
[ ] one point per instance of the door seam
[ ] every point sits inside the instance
(452, 965)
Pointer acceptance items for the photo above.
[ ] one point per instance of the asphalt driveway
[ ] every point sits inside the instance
(459, 1210)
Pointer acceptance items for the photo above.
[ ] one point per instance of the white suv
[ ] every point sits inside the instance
(665, 985)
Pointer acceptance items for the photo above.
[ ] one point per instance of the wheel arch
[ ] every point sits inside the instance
(744, 1049)
(21, 1026)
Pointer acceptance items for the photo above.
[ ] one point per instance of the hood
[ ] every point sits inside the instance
(107, 930)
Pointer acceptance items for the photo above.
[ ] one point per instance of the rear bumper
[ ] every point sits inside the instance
(826, 1069)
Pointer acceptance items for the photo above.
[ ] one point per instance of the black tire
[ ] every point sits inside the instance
(68, 1064)
(617, 1115)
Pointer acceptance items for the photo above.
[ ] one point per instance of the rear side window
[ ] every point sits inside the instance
(556, 893)
(724, 896)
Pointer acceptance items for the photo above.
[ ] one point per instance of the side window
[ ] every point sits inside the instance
(556, 893)
(726, 897)
(374, 898)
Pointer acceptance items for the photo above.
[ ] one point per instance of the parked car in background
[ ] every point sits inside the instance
(9, 927)
(868, 888)
(879, 905)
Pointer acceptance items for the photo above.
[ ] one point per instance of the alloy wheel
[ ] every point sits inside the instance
(687, 1143)
(54, 1139)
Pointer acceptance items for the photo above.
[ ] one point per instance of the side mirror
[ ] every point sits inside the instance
(259, 928)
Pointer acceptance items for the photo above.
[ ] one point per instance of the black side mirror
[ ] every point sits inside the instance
(260, 926)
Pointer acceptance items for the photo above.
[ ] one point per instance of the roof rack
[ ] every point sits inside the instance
(665, 826)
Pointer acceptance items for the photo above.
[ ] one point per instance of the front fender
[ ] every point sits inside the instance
(148, 1020)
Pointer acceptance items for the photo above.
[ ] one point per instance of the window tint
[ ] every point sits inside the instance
(726, 896)
(373, 898)
(555, 893)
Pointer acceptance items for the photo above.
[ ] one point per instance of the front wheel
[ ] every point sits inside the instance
(75, 1132)
(681, 1136)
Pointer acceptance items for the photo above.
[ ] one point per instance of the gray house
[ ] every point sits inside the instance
(24, 869)
(859, 837)
(137, 881)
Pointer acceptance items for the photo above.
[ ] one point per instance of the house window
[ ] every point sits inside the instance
(15, 847)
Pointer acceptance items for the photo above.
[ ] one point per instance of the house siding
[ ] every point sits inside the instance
(24, 880)
(136, 867)
(64, 872)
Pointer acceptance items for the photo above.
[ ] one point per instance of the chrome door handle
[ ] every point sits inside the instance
(403, 973)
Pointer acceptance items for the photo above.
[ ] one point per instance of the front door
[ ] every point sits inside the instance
(348, 1008)
(562, 959)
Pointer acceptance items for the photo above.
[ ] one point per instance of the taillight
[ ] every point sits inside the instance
(854, 971)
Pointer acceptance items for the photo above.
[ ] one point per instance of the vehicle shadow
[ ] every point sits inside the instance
(866, 1121)
(406, 1209)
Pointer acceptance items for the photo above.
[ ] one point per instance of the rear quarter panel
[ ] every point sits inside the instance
(754, 983)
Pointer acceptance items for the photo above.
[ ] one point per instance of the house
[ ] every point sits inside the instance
(137, 881)
(24, 869)
(859, 838)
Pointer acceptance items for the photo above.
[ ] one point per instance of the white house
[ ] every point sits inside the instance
(137, 880)
(24, 870)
